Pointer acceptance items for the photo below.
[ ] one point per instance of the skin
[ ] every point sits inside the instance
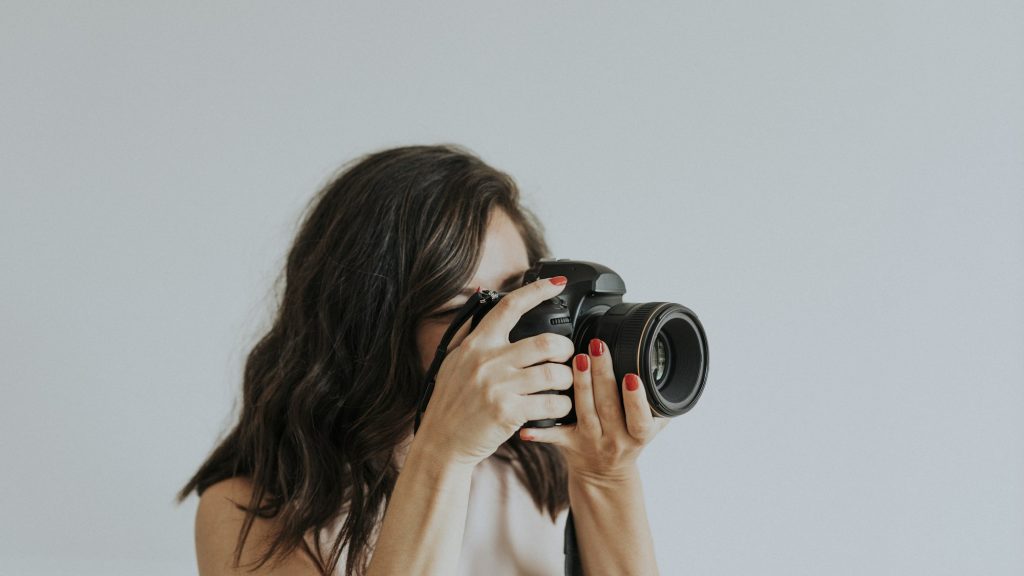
(484, 393)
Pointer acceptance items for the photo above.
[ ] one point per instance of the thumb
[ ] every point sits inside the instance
(557, 435)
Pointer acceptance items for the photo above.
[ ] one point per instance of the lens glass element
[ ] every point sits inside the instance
(661, 356)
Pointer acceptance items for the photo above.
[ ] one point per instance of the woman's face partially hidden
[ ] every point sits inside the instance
(502, 264)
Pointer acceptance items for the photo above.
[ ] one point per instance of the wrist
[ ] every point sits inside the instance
(436, 461)
(612, 478)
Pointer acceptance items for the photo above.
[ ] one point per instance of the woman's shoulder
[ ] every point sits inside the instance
(219, 502)
(237, 489)
(219, 523)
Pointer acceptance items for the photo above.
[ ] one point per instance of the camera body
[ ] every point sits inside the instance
(662, 342)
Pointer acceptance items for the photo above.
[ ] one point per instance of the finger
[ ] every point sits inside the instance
(639, 420)
(607, 398)
(543, 347)
(557, 435)
(500, 320)
(587, 420)
(546, 376)
(543, 406)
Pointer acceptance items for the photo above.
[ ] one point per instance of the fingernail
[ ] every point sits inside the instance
(596, 347)
(526, 435)
(558, 280)
(632, 382)
(582, 362)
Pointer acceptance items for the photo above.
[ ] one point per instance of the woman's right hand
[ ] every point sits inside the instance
(484, 390)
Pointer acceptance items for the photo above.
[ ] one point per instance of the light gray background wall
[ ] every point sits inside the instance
(837, 188)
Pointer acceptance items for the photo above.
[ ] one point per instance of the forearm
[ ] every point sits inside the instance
(612, 531)
(421, 532)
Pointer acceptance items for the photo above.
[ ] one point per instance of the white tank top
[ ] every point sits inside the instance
(506, 533)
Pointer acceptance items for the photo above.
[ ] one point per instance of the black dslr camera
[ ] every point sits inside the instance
(662, 342)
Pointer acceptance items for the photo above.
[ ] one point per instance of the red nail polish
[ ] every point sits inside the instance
(582, 362)
(632, 382)
(526, 435)
(558, 280)
(596, 347)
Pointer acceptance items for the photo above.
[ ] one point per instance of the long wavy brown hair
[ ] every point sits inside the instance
(331, 389)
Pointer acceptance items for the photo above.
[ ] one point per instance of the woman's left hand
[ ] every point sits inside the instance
(606, 440)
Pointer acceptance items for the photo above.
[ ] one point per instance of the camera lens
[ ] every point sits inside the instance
(663, 343)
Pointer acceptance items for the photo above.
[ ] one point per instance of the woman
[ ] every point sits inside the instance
(322, 473)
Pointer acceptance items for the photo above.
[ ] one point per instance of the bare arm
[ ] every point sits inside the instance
(426, 516)
(612, 427)
(421, 532)
(612, 531)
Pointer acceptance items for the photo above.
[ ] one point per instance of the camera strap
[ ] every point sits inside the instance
(476, 307)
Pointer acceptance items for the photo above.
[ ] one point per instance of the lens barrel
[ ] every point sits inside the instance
(662, 342)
